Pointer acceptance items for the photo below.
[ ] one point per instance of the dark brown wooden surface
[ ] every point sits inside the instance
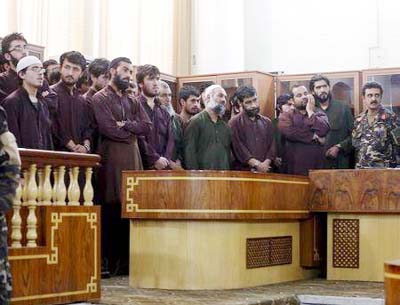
(222, 195)
(71, 273)
(312, 252)
(392, 282)
(356, 191)
(57, 158)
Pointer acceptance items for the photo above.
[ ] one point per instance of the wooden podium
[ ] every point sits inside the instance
(363, 209)
(214, 229)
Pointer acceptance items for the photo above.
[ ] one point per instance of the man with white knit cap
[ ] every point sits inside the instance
(27, 114)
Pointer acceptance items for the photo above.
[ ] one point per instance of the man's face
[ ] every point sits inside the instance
(121, 75)
(300, 97)
(70, 72)
(321, 91)
(151, 85)
(288, 106)
(217, 101)
(191, 105)
(101, 81)
(251, 106)
(165, 96)
(372, 98)
(52, 69)
(33, 76)
(16, 51)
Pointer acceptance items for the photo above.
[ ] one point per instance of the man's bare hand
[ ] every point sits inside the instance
(161, 163)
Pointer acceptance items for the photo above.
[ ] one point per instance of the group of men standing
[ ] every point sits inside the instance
(134, 131)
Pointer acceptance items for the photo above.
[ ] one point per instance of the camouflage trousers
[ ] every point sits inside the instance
(5, 275)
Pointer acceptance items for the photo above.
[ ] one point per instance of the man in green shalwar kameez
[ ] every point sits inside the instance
(338, 148)
(207, 139)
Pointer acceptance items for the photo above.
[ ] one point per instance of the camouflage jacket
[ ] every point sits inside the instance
(376, 144)
(9, 171)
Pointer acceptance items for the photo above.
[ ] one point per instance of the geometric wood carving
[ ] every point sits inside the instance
(346, 243)
(269, 251)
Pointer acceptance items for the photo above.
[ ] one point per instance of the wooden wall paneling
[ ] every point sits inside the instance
(224, 195)
(66, 268)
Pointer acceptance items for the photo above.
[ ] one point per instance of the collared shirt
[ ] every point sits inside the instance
(252, 139)
(207, 144)
(302, 152)
(29, 122)
(160, 141)
(376, 143)
(72, 120)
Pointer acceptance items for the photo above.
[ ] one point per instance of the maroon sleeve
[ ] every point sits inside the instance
(272, 152)
(141, 124)
(294, 133)
(318, 123)
(11, 108)
(107, 124)
(241, 152)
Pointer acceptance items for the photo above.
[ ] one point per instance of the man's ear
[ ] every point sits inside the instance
(7, 56)
(21, 74)
(181, 102)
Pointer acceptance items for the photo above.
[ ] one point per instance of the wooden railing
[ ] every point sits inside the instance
(44, 183)
(53, 209)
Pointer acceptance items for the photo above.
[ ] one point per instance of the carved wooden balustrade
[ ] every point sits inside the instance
(54, 229)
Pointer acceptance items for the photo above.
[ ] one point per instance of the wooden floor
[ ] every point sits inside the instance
(116, 291)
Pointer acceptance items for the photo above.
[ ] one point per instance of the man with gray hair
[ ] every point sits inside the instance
(207, 138)
(165, 98)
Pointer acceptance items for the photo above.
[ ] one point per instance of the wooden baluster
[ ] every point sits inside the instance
(46, 190)
(54, 193)
(31, 234)
(61, 189)
(25, 187)
(88, 189)
(40, 186)
(16, 220)
(73, 190)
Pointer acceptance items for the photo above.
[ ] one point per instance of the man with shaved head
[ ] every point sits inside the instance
(207, 138)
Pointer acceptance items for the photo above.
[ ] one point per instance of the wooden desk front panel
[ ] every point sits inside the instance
(213, 195)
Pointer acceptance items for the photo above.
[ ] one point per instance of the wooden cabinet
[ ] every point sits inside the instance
(390, 81)
(344, 86)
(262, 82)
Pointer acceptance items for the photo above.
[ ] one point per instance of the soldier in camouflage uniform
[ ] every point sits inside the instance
(376, 131)
(9, 178)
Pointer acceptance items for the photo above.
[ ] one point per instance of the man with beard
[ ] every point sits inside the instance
(165, 97)
(207, 138)
(305, 130)
(158, 146)
(27, 114)
(189, 99)
(121, 120)
(14, 47)
(72, 130)
(52, 73)
(338, 141)
(376, 133)
(252, 134)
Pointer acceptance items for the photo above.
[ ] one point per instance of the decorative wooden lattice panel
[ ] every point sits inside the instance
(268, 251)
(346, 243)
